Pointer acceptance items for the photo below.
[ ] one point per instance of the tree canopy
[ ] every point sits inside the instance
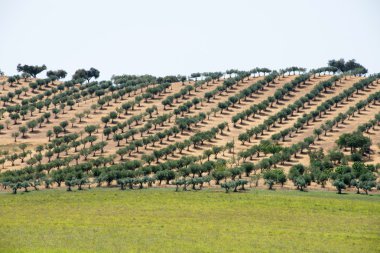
(345, 66)
(31, 70)
(86, 74)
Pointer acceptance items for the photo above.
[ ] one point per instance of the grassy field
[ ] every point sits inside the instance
(162, 220)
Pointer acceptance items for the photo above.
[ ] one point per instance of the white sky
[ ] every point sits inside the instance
(180, 37)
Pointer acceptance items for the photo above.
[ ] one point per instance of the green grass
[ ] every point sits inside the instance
(161, 220)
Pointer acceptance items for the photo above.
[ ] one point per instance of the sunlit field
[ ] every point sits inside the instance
(162, 220)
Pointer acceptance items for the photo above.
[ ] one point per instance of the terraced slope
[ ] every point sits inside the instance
(50, 125)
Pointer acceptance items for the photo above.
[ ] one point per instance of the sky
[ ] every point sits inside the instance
(182, 37)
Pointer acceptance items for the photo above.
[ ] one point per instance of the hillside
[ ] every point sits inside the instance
(243, 121)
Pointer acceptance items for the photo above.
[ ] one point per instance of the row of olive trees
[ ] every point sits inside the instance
(59, 129)
(186, 172)
(328, 106)
(305, 119)
(262, 106)
(284, 154)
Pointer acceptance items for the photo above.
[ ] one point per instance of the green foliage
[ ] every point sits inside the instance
(86, 74)
(272, 177)
(298, 175)
(32, 70)
(344, 66)
(234, 185)
(354, 141)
